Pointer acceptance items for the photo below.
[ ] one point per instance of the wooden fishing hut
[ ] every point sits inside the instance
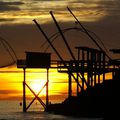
(35, 60)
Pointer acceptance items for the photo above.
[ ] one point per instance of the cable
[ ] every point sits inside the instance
(55, 35)
(10, 51)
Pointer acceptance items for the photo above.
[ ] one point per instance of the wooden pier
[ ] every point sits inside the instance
(89, 70)
(91, 63)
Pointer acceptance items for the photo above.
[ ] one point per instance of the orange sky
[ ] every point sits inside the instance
(12, 78)
(18, 29)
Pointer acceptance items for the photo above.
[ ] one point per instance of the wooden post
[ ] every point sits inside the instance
(69, 85)
(24, 91)
(99, 67)
(70, 80)
(88, 66)
(82, 65)
(47, 95)
(77, 66)
(103, 67)
(95, 68)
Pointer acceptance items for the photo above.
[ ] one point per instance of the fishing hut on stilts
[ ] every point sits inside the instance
(35, 60)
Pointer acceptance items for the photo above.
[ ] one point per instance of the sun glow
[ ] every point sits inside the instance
(38, 86)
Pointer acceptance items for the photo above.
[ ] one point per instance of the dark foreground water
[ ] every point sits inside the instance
(11, 110)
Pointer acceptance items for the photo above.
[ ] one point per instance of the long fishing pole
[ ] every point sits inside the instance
(66, 43)
(39, 27)
(64, 39)
(87, 32)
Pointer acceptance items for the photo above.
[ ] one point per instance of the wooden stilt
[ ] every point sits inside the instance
(47, 95)
(24, 92)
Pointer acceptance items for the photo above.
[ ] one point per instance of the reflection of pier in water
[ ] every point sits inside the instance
(89, 71)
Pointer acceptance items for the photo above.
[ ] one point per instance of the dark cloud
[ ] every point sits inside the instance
(10, 94)
(11, 3)
(93, 8)
(7, 20)
(11, 71)
(112, 7)
(101, 5)
(9, 6)
(7, 92)
(49, 0)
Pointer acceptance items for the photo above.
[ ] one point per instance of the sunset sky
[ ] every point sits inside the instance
(17, 27)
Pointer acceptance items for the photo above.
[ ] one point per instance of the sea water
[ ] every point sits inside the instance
(11, 110)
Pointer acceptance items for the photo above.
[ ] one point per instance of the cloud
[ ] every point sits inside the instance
(10, 3)
(4, 92)
(49, 0)
(9, 6)
(112, 7)
(86, 10)
(10, 95)
(8, 20)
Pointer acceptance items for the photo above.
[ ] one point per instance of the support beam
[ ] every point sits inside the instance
(47, 87)
(24, 91)
(83, 67)
(36, 97)
(42, 103)
(103, 64)
(69, 85)
(78, 72)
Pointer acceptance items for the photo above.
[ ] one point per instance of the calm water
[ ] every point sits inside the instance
(11, 110)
